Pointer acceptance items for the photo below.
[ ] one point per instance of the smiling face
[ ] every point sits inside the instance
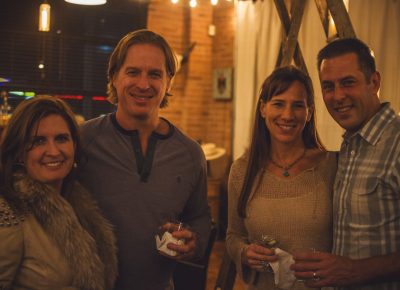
(141, 84)
(349, 98)
(286, 115)
(50, 155)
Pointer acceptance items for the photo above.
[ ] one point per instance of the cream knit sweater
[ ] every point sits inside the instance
(296, 211)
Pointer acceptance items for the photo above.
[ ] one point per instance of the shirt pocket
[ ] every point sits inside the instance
(367, 186)
(372, 201)
(365, 202)
(376, 186)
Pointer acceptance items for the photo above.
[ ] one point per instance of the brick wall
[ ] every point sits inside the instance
(192, 107)
(220, 112)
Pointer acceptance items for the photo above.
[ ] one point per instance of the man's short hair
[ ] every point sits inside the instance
(118, 56)
(340, 46)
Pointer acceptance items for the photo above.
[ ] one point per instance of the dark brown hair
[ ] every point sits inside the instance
(16, 138)
(340, 46)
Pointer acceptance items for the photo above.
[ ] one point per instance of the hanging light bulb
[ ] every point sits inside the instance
(44, 17)
(214, 2)
(87, 2)
(174, 1)
(193, 3)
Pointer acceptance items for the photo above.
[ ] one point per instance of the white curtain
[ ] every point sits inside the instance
(258, 36)
(378, 24)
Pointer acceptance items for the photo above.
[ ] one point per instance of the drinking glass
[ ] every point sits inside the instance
(296, 251)
(269, 242)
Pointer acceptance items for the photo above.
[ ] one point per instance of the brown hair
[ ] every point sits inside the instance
(118, 56)
(16, 138)
(259, 151)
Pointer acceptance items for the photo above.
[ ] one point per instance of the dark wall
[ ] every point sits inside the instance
(74, 53)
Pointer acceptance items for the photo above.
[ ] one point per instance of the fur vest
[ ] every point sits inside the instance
(77, 227)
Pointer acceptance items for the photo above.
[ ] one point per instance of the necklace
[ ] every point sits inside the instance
(287, 167)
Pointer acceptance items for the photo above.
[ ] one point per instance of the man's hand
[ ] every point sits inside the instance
(324, 269)
(188, 249)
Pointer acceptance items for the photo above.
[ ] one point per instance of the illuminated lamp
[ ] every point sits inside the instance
(44, 17)
(87, 2)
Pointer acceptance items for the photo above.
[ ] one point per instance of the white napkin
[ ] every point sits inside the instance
(162, 244)
(284, 277)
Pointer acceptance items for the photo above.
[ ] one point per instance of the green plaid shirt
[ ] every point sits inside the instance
(366, 202)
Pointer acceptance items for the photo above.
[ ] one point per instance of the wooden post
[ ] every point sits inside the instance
(341, 17)
(287, 23)
(324, 15)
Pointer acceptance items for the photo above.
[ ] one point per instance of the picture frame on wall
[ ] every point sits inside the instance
(222, 83)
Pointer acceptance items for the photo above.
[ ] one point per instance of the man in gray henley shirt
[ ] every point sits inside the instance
(143, 170)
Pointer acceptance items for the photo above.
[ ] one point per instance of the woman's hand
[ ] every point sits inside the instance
(258, 257)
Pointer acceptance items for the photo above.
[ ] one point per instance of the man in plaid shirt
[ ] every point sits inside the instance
(366, 200)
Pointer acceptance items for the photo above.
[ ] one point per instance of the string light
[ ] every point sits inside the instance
(193, 3)
(87, 2)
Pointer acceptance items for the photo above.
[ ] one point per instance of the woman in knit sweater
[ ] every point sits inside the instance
(281, 187)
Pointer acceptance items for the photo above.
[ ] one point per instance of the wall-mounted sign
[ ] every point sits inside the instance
(222, 84)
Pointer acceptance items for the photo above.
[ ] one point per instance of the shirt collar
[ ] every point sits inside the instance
(133, 132)
(372, 131)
